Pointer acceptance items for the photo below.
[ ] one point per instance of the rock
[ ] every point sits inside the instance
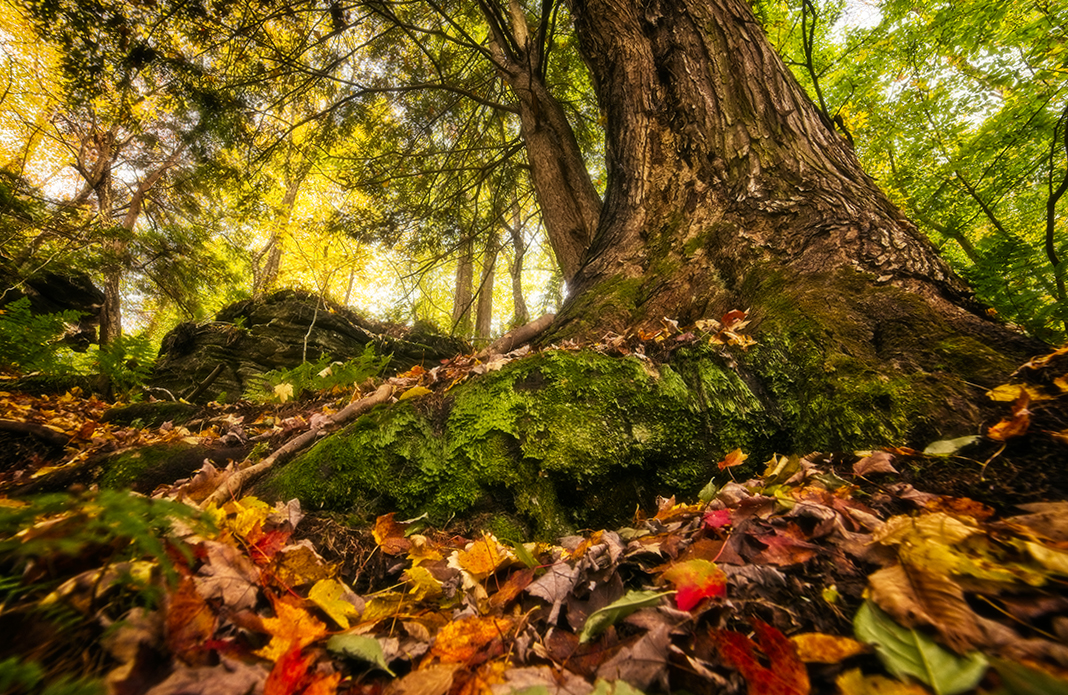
(281, 331)
(52, 292)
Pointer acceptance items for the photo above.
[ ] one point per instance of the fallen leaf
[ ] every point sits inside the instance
(717, 518)
(362, 647)
(786, 675)
(461, 640)
(422, 585)
(229, 677)
(818, 648)
(695, 580)
(643, 663)
(190, 622)
(415, 392)
(230, 576)
(915, 598)
(909, 653)
(633, 601)
(1007, 393)
(283, 392)
(879, 462)
(853, 682)
(292, 627)
(948, 447)
(287, 674)
(390, 535)
(555, 586)
(482, 557)
(734, 458)
(430, 680)
(337, 600)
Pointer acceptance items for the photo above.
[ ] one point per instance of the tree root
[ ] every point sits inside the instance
(233, 484)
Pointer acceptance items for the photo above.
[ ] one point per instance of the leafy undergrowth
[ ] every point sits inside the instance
(822, 574)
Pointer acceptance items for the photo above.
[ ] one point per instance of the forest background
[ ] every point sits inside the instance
(185, 169)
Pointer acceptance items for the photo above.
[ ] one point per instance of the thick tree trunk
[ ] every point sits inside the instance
(721, 173)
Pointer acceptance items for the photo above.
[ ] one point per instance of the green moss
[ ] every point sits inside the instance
(564, 439)
(126, 468)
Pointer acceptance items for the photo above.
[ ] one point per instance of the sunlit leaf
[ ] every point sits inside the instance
(948, 447)
(695, 580)
(819, 648)
(293, 627)
(734, 458)
(460, 640)
(336, 600)
(854, 682)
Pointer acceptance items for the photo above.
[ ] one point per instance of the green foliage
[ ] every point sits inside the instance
(315, 377)
(126, 361)
(18, 678)
(110, 525)
(31, 342)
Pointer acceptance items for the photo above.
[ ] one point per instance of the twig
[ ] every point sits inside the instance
(232, 485)
(199, 390)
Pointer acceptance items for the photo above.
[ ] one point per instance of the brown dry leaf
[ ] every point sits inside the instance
(481, 558)
(230, 677)
(879, 462)
(642, 664)
(230, 576)
(432, 680)
(508, 591)
(190, 621)
(460, 640)
(390, 536)
(818, 648)
(1047, 519)
(914, 598)
(292, 627)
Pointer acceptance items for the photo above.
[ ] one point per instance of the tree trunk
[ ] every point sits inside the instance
(266, 263)
(463, 294)
(515, 269)
(484, 307)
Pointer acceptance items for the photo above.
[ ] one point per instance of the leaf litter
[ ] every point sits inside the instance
(792, 582)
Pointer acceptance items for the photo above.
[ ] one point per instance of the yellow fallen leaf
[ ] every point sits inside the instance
(856, 683)
(1007, 393)
(482, 558)
(422, 584)
(819, 648)
(414, 392)
(283, 392)
(333, 597)
(291, 627)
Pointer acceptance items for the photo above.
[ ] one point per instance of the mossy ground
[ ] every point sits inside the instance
(567, 439)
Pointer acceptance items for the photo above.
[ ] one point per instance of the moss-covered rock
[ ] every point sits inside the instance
(579, 438)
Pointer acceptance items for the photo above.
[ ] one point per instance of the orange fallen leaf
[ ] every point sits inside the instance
(292, 627)
(461, 640)
(390, 535)
(288, 672)
(735, 458)
(482, 557)
(818, 648)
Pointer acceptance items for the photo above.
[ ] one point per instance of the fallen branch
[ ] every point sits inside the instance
(40, 432)
(518, 336)
(232, 485)
(199, 390)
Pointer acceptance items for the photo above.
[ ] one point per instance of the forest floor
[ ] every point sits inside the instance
(891, 571)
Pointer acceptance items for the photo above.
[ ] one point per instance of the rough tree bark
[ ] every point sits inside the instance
(484, 306)
(463, 294)
(722, 174)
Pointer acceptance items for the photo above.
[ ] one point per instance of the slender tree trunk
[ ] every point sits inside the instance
(268, 260)
(557, 167)
(463, 294)
(484, 307)
(520, 314)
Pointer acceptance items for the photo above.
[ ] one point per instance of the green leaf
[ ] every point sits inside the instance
(906, 652)
(708, 492)
(948, 447)
(1018, 679)
(523, 555)
(360, 647)
(598, 621)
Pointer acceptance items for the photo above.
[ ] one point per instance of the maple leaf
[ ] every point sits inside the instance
(482, 557)
(461, 640)
(292, 627)
(230, 576)
(283, 392)
(695, 580)
(287, 673)
(787, 675)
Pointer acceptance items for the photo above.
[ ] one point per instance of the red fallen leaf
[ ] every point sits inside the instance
(268, 545)
(695, 581)
(787, 675)
(717, 518)
(732, 317)
(735, 458)
(783, 550)
(287, 673)
(190, 621)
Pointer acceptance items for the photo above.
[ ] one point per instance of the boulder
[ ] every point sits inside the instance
(51, 292)
(280, 331)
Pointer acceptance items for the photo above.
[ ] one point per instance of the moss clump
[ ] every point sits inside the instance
(125, 469)
(560, 439)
